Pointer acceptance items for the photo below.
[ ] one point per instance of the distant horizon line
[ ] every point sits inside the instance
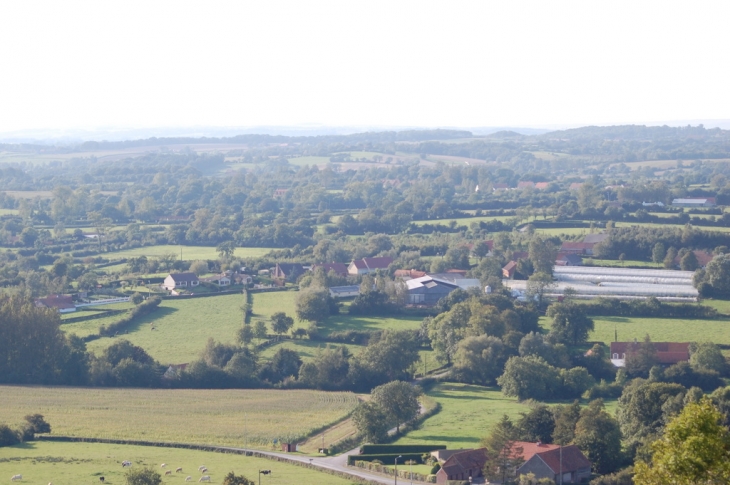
(119, 133)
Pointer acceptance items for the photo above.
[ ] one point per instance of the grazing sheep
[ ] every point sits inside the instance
(188, 478)
(200, 468)
(203, 470)
(204, 478)
(178, 469)
(163, 465)
(168, 472)
(16, 477)
(101, 479)
(126, 463)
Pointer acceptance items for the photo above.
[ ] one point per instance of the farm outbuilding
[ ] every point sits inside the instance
(624, 283)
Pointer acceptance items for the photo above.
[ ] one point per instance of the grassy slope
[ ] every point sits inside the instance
(661, 329)
(467, 414)
(182, 327)
(220, 417)
(43, 462)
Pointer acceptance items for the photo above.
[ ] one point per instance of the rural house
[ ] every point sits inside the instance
(577, 247)
(219, 279)
(288, 271)
(568, 259)
(509, 269)
(369, 265)
(668, 353)
(550, 461)
(344, 291)
(62, 303)
(703, 257)
(180, 280)
(463, 466)
(340, 269)
(407, 274)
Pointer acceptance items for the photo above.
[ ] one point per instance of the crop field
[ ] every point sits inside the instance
(233, 417)
(467, 413)
(182, 327)
(42, 462)
(188, 252)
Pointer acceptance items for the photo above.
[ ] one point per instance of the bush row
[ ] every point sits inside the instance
(386, 459)
(650, 307)
(398, 449)
(144, 308)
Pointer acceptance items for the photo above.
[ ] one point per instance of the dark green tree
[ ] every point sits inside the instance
(597, 434)
(371, 422)
(571, 324)
(398, 400)
(281, 323)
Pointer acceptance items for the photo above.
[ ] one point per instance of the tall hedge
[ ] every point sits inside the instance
(144, 308)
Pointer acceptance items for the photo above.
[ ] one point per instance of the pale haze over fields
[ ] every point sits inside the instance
(84, 65)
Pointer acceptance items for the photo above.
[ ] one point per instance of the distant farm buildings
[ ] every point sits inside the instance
(369, 265)
(62, 303)
(667, 353)
(180, 280)
(694, 202)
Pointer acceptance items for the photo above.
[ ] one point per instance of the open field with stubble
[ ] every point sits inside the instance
(233, 417)
(42, 462)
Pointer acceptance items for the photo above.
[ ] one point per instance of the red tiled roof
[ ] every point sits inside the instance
(569, 246)
(60, 302)
(510, 266)
(572, 458)
(377, 263)
(524, 185)
(542, 185)
(338, 268)
(459, 463)
(667, 352)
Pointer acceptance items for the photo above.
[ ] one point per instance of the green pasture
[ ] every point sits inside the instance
(266, 304)
(467, 413)
(42, 462)
(302, 161)
(722, 306)
(679, 226)
(90, 327)
(365, 155)
(463, 221)
(181, 327)
(344, 321)
(188, 252)
(660, 329)
(567, 231)
(628, 263)
(230, 417)
(8, 212)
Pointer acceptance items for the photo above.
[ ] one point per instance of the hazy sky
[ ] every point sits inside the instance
(68, 64)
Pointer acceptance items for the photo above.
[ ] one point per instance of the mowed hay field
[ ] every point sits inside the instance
(182, 327)
(233, 417)
(42, 462)
(467, 413)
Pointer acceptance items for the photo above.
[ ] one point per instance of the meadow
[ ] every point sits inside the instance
(234, 417)
(467, 413)
(42, 462)
(463, 221)
(188, 252)
(661, 329)
(678, 226)
(182, 327)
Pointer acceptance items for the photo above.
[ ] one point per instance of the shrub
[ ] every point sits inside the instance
(8, 437)
(143, 476)
(139, 311)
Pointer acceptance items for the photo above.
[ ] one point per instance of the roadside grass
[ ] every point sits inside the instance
(43, 462)
(182, 327)
(467, 414)
(233, 417)
(188, 252)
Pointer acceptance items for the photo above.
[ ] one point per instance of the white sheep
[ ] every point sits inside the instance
(178, 469)
(16, 477)
(163, 465)
(188, 478)
(168, 472)
(204, 478)
(200, 468)
(203, 470)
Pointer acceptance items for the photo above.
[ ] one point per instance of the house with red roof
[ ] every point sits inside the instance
(525, 185)
(668, 353)
(577, 247)
(542, 185)
(509, 270)
(62, 303)
(369, 265)
(464, 465)
(552, 461)
(340, 269)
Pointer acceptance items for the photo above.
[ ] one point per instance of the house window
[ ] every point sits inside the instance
(193, 283)
(615, 356)
(417, 298)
